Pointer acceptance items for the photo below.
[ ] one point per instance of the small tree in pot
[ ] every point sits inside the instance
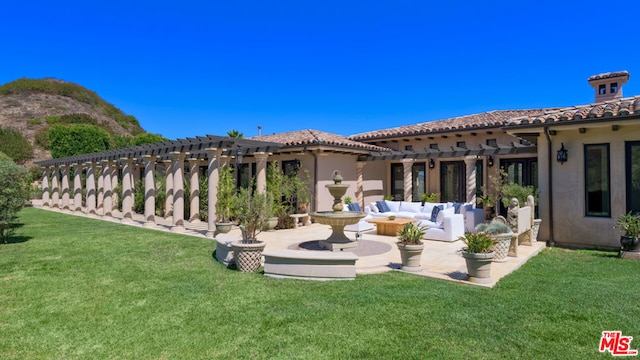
(224, 204)
(478, 254)
(251, 209)
(410, 246)
(629, 225)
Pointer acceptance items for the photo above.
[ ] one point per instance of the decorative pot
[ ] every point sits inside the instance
(479, 266)
(224, 227)
(248, 254)
(630, 244)
(410, 255)
(501, 246)
(271, 223)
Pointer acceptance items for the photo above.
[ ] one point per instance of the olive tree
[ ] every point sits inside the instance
(13, 194)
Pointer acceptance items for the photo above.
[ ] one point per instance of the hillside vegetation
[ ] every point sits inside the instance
(36, 108)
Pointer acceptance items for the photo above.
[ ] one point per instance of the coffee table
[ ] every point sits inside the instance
(384, 226)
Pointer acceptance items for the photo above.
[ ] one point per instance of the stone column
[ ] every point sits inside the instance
(407, 165)
(107, 203)
(360, 183)
(46, 199)
(100, 189)
(66, 189)
(77, 188)
(261, 171)
(91, 188)
(55, 188)
(194, 196)
(114, 186)
(178, 191)
(168, 205)
(470, 162)
(127, 190)
(213, 171)
(149, 190)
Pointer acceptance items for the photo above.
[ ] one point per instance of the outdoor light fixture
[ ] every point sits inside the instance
(432, 164)
(239, 156)
(490, 161)
(562, 154)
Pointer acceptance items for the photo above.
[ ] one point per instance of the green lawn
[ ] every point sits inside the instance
(72, 287)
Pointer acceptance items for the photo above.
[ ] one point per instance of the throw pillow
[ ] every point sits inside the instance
(382, 206)
(456, 206)
(354, 207)
(374, 208)
(435, 211)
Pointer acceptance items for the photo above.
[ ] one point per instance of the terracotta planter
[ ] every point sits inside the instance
(224, 227)
(501, 247)
(411, 255)
(248, 254)
(479, 266)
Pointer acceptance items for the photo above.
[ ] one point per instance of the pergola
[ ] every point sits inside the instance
(102, 176)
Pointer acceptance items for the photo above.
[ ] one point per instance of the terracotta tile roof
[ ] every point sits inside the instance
(315, 137)
(608, 109)
(609, 75)
(491, 119)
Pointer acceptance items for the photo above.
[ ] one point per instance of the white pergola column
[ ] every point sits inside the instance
(168, 205)
(194, 196)
(114, 186)
(178, 191)
(407, 165)
(149, 190)
(213, 171)
(91, 188)
(55, 188)
(359, 183)
(46, 199)
(66, 169)
(100, 189)
(77, 188)
(470, 162)
(127, 190)
(261, 171)
(107, 203)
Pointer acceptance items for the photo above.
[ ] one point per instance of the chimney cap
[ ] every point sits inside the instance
(610, 75)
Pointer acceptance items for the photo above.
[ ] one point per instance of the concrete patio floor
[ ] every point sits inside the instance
(376, 253)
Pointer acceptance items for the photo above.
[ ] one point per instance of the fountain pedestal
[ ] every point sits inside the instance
(337, 218)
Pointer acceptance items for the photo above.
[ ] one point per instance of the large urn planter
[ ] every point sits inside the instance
(501, 246)
(248, 254)
(271, 223)
(630, 243)
(479, 266)
(411, 255)
(224, 227)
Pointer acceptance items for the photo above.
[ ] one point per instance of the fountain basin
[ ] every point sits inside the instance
(337, 220)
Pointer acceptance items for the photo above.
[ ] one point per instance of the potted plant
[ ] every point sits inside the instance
(429, 197)
(488, 205)
(629, 225)
(411, 246)
(271, 220)
(251, 214)
(478, 254)
(501, 235)
(224, 204)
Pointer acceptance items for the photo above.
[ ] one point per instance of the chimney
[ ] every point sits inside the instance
(259, 130)
(608, 86)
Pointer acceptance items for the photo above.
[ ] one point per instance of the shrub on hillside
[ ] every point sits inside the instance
(16, 146)
(13, 194)
(76, 139)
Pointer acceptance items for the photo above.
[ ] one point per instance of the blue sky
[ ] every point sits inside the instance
(188, 68)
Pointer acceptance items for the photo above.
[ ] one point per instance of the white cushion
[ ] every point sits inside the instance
(423, 216)
(445, 212)
(406, 214)
(374, 207)
(428, 209)
(410, 206)
(393, 205)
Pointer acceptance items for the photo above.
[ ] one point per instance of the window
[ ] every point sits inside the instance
(602, 89)
(632, 165)
(290, 167)
(433, 146)
(418, 182)
(453, 181)
(397, 181)
(614, 88)
(492, 142)
(596, 180)
(408, 148)
(461, 144)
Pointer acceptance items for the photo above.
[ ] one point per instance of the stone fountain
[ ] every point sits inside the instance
(337, 218)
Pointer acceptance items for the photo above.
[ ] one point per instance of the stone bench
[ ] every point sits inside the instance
(523, 232)
(304, 219)
(310, 265)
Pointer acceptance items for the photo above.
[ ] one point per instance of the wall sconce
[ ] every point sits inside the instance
(239, 156)
(490, 161)
(562, 154)
(432, 164)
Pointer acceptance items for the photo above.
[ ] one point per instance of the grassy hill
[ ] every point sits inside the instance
(31, 106)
